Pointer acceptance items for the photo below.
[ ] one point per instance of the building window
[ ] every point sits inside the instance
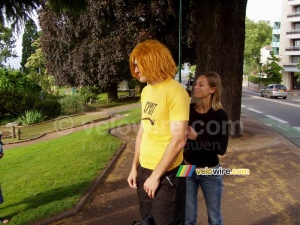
(295, 59)
(296, 81)
(297, 26)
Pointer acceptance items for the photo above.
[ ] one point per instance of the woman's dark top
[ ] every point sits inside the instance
(212, 139)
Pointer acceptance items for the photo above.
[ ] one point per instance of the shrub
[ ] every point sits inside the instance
(31, 117)
(260, 80)
(50, 108)
(18, 92)
(89, 93)
(72, 104)
(254, 79)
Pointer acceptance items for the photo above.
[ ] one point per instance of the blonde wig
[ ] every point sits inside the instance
(213, 80)
(153, 59)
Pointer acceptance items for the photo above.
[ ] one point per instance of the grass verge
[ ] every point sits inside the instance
(49, 177)
(65, 122)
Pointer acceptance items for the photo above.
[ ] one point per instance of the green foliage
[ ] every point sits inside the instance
(17, 12)
(8, 119)
(273, 69)
(29, 36)
(93, 48)
(36, 63)
(44, 80)
(49, 108)
(259, 80)
(192, 71)
(72, 104)
(298, 75)
(74, 7)
(89, 93)
(7, 43)
(18, 92)
(254, 79)
(31, 117)
(257, 36)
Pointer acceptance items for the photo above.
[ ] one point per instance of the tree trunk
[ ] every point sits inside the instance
(112, 92)
(220, 44)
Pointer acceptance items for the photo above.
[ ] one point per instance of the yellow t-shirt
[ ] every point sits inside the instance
(161, 104)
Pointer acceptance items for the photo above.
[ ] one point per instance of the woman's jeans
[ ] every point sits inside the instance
(212, 188)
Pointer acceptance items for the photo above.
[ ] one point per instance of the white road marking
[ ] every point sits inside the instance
(243, 106)
(277, 119)
(254, 110)
(297, 128)
(275, 100)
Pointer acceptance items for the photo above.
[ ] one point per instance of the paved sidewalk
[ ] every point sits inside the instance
(268, 196)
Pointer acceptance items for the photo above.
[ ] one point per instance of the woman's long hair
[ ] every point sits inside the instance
(213, 80)
(154, 60)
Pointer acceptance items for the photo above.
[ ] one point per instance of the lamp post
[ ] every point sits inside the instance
(180, 36)
(260, 64)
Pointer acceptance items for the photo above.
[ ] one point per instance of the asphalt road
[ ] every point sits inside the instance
(282, 115)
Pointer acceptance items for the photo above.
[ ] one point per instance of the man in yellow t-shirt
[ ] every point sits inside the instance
(162, 134)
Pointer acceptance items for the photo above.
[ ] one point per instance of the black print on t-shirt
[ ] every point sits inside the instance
(149, 108)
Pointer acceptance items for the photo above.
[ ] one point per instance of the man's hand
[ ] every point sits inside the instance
(191, 133)
(151, 185)
(132, 179)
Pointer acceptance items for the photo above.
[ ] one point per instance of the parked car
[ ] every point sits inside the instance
(189, 85)
(274, 91)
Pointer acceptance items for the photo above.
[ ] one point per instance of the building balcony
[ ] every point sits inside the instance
(294, 17)
(294, 50)
(276, 31)
(293, 34)
(275, 44)
(291, 67)
(293, 2)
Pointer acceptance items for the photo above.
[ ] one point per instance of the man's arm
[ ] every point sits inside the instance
(133, 173)
(178, 131)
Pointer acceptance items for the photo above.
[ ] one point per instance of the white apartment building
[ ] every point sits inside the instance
(289, 49)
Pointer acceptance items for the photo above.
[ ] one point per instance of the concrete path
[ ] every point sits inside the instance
(268, 196)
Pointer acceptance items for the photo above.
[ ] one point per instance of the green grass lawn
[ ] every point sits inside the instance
(49, 177)
(32, 131)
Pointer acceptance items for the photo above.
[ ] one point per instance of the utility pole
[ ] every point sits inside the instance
(180, 36)
(260, 64)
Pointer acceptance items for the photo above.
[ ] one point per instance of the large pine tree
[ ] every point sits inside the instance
(29, 36)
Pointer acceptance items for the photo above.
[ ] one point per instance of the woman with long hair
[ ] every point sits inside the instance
(207, 138)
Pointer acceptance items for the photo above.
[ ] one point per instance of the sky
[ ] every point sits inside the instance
(268, 10)
(264, 10)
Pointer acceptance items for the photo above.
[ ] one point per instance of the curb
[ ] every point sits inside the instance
(75, 209)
